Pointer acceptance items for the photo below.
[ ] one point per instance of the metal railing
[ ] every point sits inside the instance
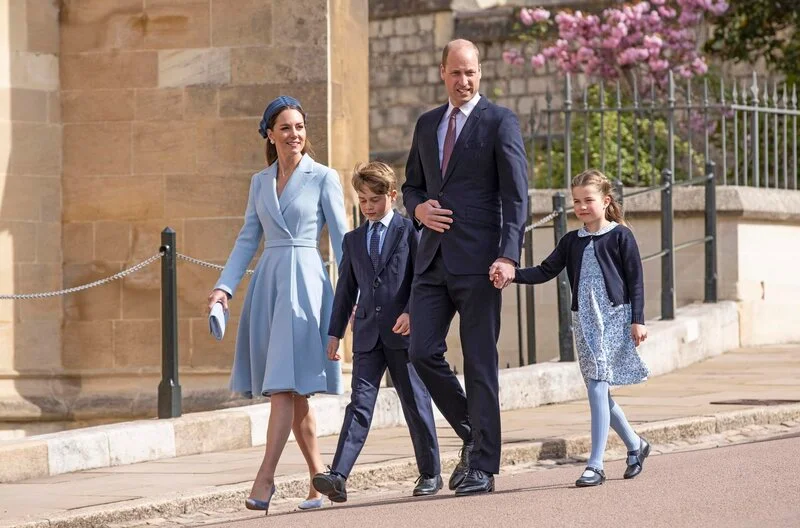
(558, 217)
(750, 128)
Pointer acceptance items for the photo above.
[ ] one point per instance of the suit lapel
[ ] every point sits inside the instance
(302, 175)
(269, 196)
(393, 237)
(463, 137)
(362, 251)
(433, 140)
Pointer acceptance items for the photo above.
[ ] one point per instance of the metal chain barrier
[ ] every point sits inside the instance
(542, 221)
(116, 276)
(205, 264)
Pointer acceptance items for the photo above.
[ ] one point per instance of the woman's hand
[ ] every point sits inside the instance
(216, 296)
(333, 349)
(638, 333)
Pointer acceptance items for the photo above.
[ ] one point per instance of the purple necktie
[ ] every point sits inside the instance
(449, 140)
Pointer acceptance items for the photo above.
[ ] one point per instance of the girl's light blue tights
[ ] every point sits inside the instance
(605, 412)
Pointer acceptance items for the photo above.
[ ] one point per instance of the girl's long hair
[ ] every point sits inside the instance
(594, 177)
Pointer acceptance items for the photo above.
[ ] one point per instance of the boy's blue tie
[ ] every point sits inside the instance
(374, 244)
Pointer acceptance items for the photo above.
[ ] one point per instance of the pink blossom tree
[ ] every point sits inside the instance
(640, 42)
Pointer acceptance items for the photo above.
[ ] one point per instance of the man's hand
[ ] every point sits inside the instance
(638, 333)
(333, 348)
(433, 217)
(502, 272)
(403, 325)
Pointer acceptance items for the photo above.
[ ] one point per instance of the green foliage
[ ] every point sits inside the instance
(751, 29)
(642, 145)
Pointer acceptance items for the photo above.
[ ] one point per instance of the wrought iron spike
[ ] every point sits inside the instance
(775, 94)
(602, 95)
(671, 90)
(754, 89)
(722, 90)
(689, 91)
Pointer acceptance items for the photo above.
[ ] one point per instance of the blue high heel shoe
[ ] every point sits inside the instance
(255, 504)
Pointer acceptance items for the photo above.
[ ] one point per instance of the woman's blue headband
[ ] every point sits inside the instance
(275, 106)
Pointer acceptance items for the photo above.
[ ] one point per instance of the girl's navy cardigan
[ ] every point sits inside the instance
(618, 256)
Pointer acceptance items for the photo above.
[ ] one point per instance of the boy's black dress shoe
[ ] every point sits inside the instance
(595, 479)
(332, 485)
(428, 485)
(640, 454)
(476, 481)
(461, 468)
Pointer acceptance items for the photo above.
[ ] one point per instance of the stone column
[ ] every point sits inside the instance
(161, 101)
(30, 205)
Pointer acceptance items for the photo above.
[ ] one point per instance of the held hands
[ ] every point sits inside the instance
(403, 325)
(217, 296)
(333, 349)
(638, 333)
(502, 272)
(433, 217)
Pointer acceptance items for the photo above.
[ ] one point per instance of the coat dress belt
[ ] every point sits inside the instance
(290, 242)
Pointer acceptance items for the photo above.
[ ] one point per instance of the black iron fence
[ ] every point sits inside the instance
(748, 128)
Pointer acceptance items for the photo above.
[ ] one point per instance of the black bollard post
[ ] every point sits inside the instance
(169, 390)
(711, 234)
(565, 346)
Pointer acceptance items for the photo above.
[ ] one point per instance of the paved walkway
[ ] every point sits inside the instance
(756, 374)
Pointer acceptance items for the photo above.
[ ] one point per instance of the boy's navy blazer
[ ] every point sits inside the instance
(385, 292)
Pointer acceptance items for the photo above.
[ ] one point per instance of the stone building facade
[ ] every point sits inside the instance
(118, 119)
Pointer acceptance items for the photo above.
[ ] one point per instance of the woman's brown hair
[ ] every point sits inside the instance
(271, 149)
(594, 177)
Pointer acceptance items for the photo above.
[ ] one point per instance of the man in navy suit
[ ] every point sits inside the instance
(466, 187)
(378, 262)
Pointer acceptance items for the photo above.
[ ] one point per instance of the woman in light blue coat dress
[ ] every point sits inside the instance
(280, 346)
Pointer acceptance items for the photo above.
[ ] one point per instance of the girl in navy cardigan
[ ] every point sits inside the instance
(605, 273)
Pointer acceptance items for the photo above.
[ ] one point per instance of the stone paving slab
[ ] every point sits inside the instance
(671, 408)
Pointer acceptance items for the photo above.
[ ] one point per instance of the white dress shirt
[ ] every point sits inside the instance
(461, 117)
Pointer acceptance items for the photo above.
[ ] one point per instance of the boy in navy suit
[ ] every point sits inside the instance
(377, 268)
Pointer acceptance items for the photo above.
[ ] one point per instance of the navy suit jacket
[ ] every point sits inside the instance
(384, 292)
(486, 187)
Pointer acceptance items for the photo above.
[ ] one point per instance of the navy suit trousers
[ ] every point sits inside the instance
(368, 369)
(436, 296)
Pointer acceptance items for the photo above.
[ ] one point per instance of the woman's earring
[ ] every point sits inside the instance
(272, 141)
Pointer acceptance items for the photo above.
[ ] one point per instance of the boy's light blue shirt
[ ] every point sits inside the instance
(386, 220)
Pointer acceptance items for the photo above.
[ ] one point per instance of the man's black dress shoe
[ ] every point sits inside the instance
(596, 478)
(461, 468)
(476, 481)
(332, 485)
(640, 454)
(428, 485)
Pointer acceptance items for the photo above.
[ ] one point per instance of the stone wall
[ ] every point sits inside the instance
(160, 102)
(30, 197)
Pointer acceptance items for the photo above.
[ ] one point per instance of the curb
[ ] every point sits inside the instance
(368, 474)
(699, 332)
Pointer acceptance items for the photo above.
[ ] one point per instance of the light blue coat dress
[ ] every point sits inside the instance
(283, 329)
